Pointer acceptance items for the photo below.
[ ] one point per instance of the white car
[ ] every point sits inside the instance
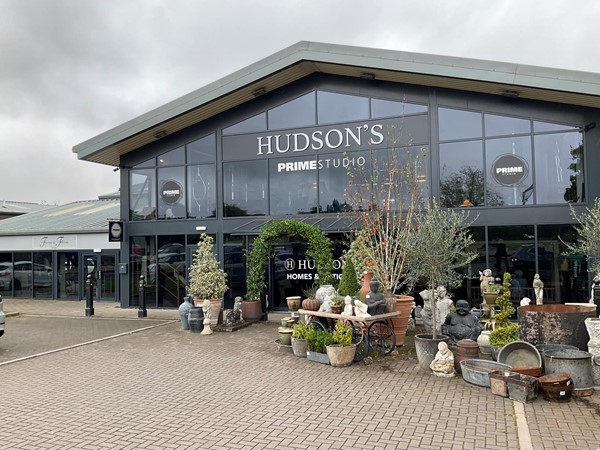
(25, 274)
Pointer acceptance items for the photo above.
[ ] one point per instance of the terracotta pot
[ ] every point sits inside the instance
(404, 305)
(215, 308)
(336, 309)
(251, 311)
(312, 304)
(366, 288)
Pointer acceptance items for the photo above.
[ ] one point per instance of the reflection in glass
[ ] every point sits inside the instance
(559, 168)
(6, 273)
(142, 254)
(168, 271)
(503, 125)
(203, 150)
(539, 127)
(43, 275)
(234, 265)
(296, 113)
(388, 108)
(457, 124)
(202, 192)
(337, 108)
(68, 275)
(171, 193)
(172, 158)
(293, 188)
(510, 177)
(245, 188)
(335, 173)
(142, 194)
(251, 125)
(23, 275)
(461, 174)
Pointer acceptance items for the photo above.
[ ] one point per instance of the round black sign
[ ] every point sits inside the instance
(509, 170)
(170, 192)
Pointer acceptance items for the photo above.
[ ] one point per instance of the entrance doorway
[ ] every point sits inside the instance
(102, 267)
(290, 273)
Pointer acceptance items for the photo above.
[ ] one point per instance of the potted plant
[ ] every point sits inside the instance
(440, 243)
(338, 304)
(299, 345)
(310, 301)
(207, 281)
(490, 294)
(348, 281)
(317, 341)
(341, 351)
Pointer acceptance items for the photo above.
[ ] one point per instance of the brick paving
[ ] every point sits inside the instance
(165, 388)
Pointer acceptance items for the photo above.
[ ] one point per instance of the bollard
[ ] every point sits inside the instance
(89, 296)
(596, 293)
(142, 312)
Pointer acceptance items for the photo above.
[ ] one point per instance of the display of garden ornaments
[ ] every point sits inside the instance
(324, 291)
(348, 307)
(207, 281)
(592, 324)
(538, 289)
(341, 352)
(360, 309)
(443, 304)
(184, 310)
(338, 304)
(375, 300)
(327, 303)
(443, 362)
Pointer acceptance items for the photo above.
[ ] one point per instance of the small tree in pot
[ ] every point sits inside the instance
(440, 244)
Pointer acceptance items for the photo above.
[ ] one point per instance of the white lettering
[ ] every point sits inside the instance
(316, 137)
(277, 141)
(356, 136)
(509, 170)
(297, 148)
(339, 135)
(267, 145)
(379, 136)
(304, 264)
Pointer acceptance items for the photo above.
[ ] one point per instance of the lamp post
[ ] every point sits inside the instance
(142, 312)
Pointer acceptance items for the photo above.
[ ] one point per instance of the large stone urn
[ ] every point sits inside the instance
(184, 310)
(592, 324)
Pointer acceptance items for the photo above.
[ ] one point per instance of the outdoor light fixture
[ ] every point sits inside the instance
(201, 228)
(367, 76)
(160, 134)
(258, 92)
(510, 94)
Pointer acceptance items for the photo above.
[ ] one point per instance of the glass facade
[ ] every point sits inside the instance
(313, 154)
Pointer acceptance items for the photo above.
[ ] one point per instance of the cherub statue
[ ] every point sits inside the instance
(207, 317)
(348, 309)
(327, 303)
(486, 278)
(525, 301)
(360, 309)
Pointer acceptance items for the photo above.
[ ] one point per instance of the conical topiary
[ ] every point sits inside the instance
(207, 279)
(348, 283)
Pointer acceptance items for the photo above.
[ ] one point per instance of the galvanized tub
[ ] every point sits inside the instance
(561, 324)
(520, 354)
(542, 348)
(577, 363)
(477, 371)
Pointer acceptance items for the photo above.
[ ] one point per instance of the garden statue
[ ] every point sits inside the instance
(443, 305)
(525, 301)
(538, 289)
(486, 278)
(426, 313)
(360, 309)
(327, 303)
(237, 310)
(375, 299)
(461, 324)
(207, 316)
(348, 309)
(443, 363)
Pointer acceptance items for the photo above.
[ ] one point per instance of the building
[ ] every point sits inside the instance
(517, 144)
(12, 209)
(49, 253)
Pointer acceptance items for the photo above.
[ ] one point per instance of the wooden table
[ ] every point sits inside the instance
(372, 335)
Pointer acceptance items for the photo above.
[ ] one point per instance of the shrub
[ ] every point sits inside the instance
(300, 330)
(504, 335)
(342, 334)
(348, 282)
(317, 340)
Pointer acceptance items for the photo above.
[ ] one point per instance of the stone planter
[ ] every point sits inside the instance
(317, 357)
(341, 356)
(293, 303)
(299, 347)
(427, 347)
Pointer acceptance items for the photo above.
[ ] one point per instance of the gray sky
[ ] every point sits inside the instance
(71, 69)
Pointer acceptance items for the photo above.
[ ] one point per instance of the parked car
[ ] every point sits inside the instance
(25, 274)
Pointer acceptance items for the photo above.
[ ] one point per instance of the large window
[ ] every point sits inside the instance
(142, 194)
(245, 188)
(494, 160)
(293, 186)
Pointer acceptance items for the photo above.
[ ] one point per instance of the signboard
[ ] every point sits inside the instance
(170, 192)
(115, 231)
(509, 170)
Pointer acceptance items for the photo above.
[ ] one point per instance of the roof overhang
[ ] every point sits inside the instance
(305, 58)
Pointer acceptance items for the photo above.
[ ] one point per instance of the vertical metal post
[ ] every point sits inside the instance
(142, 312)
(596, 293)
(89, 297)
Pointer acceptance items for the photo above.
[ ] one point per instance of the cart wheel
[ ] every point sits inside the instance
(317, 325)
(362, 347)
(382, 340)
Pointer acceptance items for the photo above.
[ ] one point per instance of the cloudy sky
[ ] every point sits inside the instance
(72, 69)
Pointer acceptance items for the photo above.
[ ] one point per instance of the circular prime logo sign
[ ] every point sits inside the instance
(509, 170)
(170, 192)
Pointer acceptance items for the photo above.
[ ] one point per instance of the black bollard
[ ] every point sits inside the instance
(89, 296)
(142, 312)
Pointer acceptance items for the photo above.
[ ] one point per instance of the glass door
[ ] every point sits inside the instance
(103, 271)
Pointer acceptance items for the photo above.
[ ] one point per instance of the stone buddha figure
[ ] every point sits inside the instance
(461, 324)
(375, 299)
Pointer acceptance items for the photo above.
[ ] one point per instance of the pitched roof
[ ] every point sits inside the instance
(305, 58)
(89, 216)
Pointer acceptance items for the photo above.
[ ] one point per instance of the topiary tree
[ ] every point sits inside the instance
(207, 280)
(348, 282)
(507, 309)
